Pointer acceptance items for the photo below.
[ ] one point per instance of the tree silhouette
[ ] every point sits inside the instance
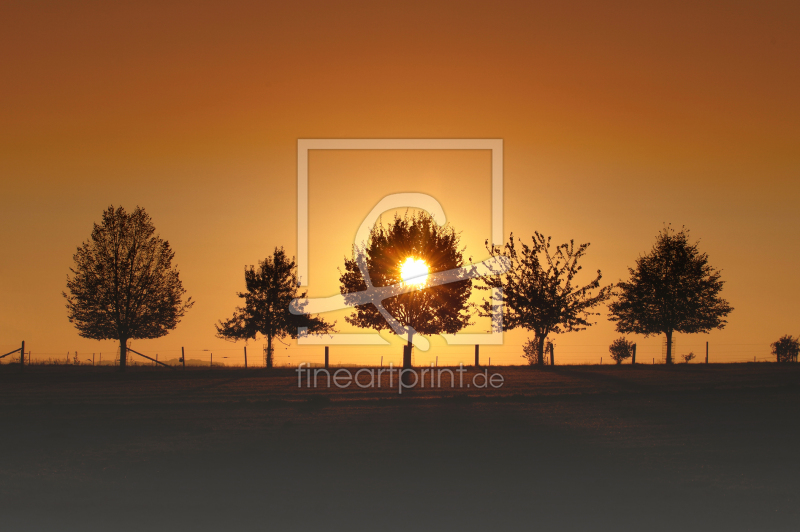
(429, 310)
(537, 291)
(270, 290)
(786, 348)
(123, 285)
(621, 349)
(672, 288)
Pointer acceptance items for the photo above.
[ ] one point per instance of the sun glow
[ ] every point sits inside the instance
(414, 271)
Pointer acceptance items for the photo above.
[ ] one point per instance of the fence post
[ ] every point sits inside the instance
(211, 365)
(552, 357)
(633, 355)
(706, 352)
(327, 352)
(22, 355)
(183, 358)
(245, 357)
(477, 355)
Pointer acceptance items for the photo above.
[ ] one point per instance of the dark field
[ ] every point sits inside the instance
(689, 447)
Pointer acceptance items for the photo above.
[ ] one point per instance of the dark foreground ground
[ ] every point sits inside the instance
(573, 448)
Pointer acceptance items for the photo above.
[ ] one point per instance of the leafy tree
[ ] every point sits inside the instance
(672, 288)
(786, 348)
(538, 291)
(428, 310)
(621, 349)
(270, 290)
(123, 285)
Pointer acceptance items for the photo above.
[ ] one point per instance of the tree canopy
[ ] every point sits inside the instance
(123, 284)
(538, 292)
(673, 288)
(270, 289)
(429, 309)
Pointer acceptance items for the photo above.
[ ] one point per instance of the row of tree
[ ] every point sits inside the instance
(124, 286)
(671, 289)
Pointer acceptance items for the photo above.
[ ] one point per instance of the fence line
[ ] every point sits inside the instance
(507, 354)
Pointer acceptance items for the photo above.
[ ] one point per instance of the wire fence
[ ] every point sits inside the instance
(293, 355)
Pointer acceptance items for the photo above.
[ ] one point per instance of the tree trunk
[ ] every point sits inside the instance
(669, 346)
(123, 353)
(269, 352)
(406, 379)
(407, 352)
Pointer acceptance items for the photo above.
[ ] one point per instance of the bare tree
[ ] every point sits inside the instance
(672, 288)
(270, 290)
(538, 291)
(530, 351)
(123, 285)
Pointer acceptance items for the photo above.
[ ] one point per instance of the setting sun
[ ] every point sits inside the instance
(414, 271)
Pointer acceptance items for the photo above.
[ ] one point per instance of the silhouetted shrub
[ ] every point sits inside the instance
(786, 348)
(620, 349)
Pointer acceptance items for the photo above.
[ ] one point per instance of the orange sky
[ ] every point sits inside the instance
(615, 119)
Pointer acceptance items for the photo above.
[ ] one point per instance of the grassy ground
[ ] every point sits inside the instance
(688, 447)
